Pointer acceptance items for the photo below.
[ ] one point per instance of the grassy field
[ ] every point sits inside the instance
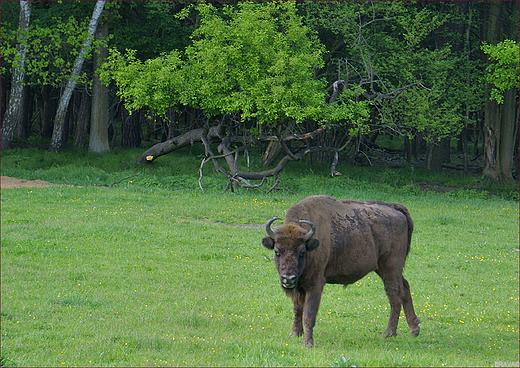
(142, 274)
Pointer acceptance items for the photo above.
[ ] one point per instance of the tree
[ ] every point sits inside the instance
(386, 51)
(59, 120)
(252, 67)
(14, 112)
(98, 141)
(501, 107)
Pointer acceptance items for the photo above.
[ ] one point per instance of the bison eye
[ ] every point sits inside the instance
(302, 254)
(277, 253)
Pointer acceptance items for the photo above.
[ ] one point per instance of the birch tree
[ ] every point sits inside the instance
(59, 120)
(17, 87)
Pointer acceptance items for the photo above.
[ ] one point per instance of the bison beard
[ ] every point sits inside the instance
(346, 241)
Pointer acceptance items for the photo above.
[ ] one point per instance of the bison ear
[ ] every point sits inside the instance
(268, 242)
(312, 244)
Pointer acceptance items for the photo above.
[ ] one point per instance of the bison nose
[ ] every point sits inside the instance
(288, 281)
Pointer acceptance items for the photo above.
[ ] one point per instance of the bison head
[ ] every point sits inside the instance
(290, 243)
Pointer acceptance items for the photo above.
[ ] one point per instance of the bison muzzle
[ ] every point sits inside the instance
(339, 242)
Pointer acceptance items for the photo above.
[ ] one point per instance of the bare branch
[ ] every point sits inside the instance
(200, 174)
(128, 177)
(172, 144)
(289, 137)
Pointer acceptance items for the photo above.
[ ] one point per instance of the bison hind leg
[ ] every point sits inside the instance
(411, 317)
(398, 291)
(392, 289)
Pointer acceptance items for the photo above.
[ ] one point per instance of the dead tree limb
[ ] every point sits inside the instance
(174, 143)
(289, 137)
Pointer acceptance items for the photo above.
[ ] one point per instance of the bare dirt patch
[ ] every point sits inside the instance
(8, 182)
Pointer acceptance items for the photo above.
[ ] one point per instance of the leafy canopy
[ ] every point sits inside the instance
(505, 71)
(254, 59)
(51, 51)
(154, 83)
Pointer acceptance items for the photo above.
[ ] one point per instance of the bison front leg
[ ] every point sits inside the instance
(298, 301)
(310, 310)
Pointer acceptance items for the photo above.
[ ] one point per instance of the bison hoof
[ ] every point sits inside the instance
(308, 343)
(295, 333)
(388, 333)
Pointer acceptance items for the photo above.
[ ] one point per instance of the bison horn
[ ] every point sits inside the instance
(268, 226)
(310, 234)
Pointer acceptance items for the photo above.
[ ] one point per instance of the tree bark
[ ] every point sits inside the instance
(49, 108)
(83, 120)
(14, 111)
(434, 157)
(23, 126)
(98, 141)
(195, 135)
(508, 123)
(59, 120)
(500, 120)
(131, 135)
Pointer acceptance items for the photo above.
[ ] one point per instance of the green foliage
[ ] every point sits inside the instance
(154, 83)
(412, 44)
(260, 63)
(504, 72)
(51, 50)
(152, 27)
(256, 60)
(179, 170)
(421, 56)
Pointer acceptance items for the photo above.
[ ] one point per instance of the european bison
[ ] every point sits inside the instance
(346, 240)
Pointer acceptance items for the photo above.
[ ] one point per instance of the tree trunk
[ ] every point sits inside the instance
(23, 127)
(14, 111)
(195, 135)
(434, 157)
(407, 149)
(468, 83)
(82, 121)
(59, 120)
(500, 120)
(445, 150)
(274, 149)
(508, 122)
(49, 107)
(98, 141)
(131, 135)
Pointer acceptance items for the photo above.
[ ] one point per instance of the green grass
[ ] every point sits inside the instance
(143, 275)
(180, 170)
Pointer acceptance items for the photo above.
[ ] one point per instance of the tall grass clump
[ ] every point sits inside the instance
(151, 272)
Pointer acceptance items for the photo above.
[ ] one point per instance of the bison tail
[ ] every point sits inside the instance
(405, 212)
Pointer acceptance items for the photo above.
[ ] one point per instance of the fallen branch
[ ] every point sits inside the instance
(128, 177)
(116, 182)
(181, 188)
(290, 137)
(200, 174)
(180, 141)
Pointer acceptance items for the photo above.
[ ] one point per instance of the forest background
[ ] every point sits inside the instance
(432, 84)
